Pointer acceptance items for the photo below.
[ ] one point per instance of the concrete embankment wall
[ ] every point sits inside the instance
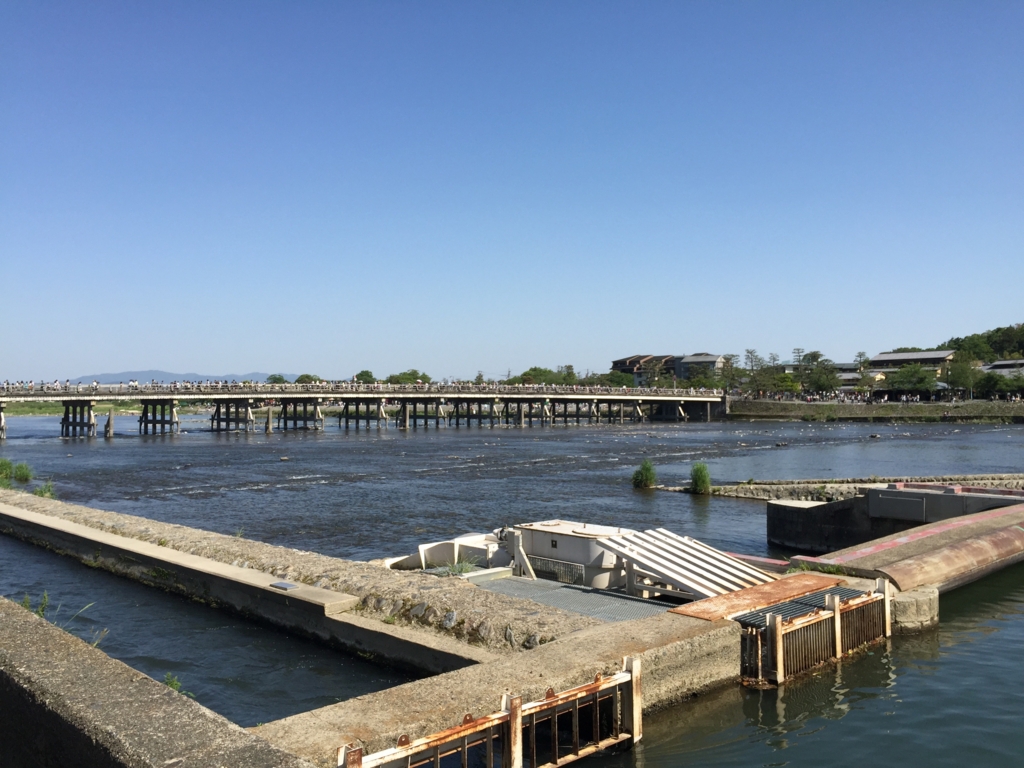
(437, 610)
(821, 527)
(302, 609)
(827, 527)
(65, 703)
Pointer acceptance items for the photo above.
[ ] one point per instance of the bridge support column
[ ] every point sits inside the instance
(79, 419)
(229, 415)
(3, 423)
(108, 428)
(310, 416)
(159, 413)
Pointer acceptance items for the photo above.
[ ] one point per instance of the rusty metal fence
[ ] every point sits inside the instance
(558, 729)
(783, 640)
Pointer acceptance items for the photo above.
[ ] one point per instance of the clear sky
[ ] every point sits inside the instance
(332, 186)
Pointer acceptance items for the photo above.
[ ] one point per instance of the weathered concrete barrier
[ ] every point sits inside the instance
(65, 703)
(915, 610)
(819, 527)
(299, 608)
(436, 609)
(681, 657)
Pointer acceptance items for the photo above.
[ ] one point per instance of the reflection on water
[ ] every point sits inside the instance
(951, 696)
(247, 672)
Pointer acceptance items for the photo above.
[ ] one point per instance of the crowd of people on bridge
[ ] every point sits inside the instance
(133, 387)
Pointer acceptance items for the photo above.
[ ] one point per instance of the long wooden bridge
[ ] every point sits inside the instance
(408, 406)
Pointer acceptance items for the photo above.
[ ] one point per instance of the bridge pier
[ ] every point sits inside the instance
(303, 419)
(360, 410)
(79, 419)
(232, 415)
(159, 413)
(3, 423)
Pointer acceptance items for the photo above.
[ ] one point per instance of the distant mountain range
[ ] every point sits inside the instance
(166, 377)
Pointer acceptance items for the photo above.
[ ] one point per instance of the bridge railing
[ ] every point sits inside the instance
(131, 390)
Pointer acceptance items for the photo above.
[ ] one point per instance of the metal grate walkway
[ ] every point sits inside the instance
(599, 603)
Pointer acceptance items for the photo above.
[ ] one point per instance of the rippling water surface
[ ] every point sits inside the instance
(945, 697)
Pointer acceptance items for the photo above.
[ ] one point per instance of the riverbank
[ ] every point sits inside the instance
(984, 411)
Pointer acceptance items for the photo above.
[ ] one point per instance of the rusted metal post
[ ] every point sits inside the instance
(882, 587)
(633, 707)
(832, 604)
(513, 741)
(350, 756)
(775, 623)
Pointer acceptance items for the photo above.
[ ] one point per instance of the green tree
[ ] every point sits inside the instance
(861, 360)
(307, 378)
(798, 356)
(730, 375)
(784, 382)
(912, 378)
(365, 377)
(408, 377)
(992, 385)
(962, 372)
(277, 378)
(654, 373)
(610, 379)
(822, 376)
(568, 374)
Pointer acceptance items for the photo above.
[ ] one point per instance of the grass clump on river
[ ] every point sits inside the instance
(22, 473)
(700, 479)
(645, 476)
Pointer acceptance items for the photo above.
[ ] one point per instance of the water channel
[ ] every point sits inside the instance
(945, 697)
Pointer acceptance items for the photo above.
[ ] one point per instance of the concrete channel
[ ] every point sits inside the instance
(480, 647)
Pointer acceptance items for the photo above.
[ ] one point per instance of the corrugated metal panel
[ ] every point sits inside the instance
(601, 604)
(817, 599)
(800, 606)
(685, 563)
(787, 610)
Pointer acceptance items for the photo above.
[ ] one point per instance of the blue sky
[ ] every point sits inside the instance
(455, 187)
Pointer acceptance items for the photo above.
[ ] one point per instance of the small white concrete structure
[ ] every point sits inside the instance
(570, 552)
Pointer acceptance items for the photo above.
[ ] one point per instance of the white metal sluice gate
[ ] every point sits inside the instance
(664, 562)
(560, 728)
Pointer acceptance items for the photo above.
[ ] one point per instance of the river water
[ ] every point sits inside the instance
(946, 697)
